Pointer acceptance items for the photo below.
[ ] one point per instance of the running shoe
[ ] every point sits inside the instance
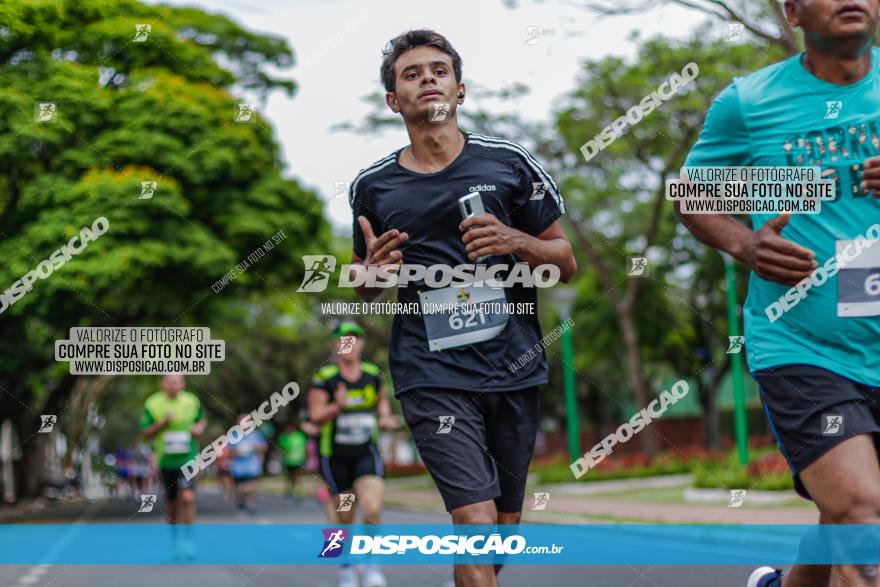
(868, 573)
(176, 551)
(322, 494)
(188, 549)
(766, 577)
(373, 576)
(348, 577)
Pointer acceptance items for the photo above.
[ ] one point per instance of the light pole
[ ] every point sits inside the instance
(563, 298)
(739, 397)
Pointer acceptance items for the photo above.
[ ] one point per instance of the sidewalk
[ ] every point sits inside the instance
(648, 500)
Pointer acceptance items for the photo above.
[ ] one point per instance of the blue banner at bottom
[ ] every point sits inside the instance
(531, 544)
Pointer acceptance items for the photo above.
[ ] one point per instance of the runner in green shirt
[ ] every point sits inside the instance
(172, 417)
(293, 450)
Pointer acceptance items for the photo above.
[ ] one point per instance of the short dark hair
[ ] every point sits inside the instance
(410, 40)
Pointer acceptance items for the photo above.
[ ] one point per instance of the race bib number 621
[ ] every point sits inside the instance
(459, 316)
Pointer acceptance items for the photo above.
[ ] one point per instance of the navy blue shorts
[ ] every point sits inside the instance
(811, 410)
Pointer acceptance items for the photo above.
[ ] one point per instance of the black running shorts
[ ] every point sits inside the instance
(484, 453)
(341, 473)
(173, 481)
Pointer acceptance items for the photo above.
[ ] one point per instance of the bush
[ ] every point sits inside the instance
(768, 471)
(712, 469)
(395, 471)
(622, 467)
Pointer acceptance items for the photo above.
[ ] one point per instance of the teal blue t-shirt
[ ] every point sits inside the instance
(783, 115)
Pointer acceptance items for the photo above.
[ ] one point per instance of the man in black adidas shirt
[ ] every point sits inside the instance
(456, 366)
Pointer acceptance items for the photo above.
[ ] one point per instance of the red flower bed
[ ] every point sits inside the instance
(768, 464)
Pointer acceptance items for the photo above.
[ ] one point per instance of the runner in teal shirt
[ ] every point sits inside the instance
(816, 361)
(784, 115)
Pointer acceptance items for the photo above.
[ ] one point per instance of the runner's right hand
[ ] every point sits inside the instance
(775, 258)
(382, 250)
(341, 395)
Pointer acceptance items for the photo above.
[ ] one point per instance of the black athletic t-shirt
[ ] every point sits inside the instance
(515, 189)
(350, 434)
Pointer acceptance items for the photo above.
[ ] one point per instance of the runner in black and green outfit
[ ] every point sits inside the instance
(345, 398)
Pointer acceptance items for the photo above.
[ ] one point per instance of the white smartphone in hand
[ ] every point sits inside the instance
(472, 205)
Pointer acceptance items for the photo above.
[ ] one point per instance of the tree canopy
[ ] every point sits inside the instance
(129, 105)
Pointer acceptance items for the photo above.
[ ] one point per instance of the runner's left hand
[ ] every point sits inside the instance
(198, 428)
(486, 235)
(871, 176)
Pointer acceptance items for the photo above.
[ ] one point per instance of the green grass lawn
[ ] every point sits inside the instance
(675, 495)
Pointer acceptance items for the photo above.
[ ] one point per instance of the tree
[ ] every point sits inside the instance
(618, 197)
(765, 19)
(162, 109)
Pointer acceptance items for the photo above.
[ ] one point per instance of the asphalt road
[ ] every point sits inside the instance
(281, 510)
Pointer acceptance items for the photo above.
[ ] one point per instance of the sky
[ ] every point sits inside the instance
(338, 44)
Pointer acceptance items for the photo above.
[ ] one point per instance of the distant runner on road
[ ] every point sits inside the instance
(247, 465)
(345, 399)
(173, 417)
(292, 443)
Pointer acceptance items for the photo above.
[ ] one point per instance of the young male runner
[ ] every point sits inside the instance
(174, 416)
(821, 358)
(410, 199)
(344, 399)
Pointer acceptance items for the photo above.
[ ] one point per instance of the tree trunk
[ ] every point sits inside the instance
(29, 470)
(713, 420)
(85, 391)
(713, 415)
(639, 382)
